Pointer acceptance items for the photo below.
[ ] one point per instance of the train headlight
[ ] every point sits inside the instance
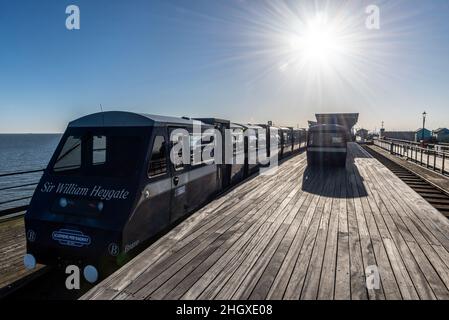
(90, 274)
(63, 202)
(29, 261)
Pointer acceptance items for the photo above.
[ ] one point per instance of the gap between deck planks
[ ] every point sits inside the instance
(301, 233)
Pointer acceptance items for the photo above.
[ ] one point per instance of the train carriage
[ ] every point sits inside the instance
(299, 139)
(286, 141)
(110, 186)
(327, 145)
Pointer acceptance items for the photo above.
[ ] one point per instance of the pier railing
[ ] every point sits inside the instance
(429, 157)
(16, 190)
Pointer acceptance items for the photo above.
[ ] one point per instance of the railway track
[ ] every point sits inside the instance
(434, 195)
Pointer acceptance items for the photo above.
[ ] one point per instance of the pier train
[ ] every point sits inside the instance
(110, 185)
(327, 145)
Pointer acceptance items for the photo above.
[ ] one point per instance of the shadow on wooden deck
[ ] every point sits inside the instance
(315, 179)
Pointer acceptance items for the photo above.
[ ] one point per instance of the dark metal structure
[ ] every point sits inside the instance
(327, 144)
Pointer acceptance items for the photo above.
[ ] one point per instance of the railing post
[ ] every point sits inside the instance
(428, 157)
(442, 165)
(434, 160)
(421, 157)
(391, 148)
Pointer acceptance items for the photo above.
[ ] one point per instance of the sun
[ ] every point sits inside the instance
(318, 43)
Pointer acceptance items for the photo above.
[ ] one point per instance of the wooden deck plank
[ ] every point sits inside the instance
(233, 277)
(423, 276)
(223, 269)
(299, 274)
(267, 278)
(357, 275)
(168, 267)
(407, 272)
(298, 234)
(187, 232)
(378, 230)
(294, 217)
(278, 211)
(312, 281)
(327, 277)
(12, 250)
(282, 278)
(343, 270)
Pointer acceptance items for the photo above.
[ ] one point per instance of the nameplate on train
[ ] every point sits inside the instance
(73, 238)
(78, 190)
(180, 191)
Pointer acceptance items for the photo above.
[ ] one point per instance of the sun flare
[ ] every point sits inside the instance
(318, 44)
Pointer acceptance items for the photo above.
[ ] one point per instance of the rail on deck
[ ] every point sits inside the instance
(426, 157)
(16, 190)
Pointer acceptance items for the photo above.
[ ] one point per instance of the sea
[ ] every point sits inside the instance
(18, 153)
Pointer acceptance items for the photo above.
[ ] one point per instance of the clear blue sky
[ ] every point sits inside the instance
(224, 58)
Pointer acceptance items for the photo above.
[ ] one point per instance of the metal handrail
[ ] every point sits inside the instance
(22, 207)
(416, 154)
(414, 145)
(400, 140)
(9, 211)
(19, 186)
(20, 172)
(14, 200)
(440, 144)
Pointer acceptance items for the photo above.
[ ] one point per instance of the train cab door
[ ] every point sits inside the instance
(179, 180)
(156, 208)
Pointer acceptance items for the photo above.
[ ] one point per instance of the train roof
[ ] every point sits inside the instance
(214, 120)
(250, 126)
(328, 127)
(347, 120)
(129, 119)
(237, 126)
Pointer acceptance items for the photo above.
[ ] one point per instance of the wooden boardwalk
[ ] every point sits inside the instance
(12, 250)
(298, 234)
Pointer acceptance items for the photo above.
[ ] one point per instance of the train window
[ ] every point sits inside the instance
(326, 139)
(158, 161)
(337, 140)
(178, 162)
(99, 150)
(238, 143)
(199, 145)
(70, 155)
(92, 154)
(196, 146)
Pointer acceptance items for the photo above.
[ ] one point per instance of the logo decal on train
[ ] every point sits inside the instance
(73, 238)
